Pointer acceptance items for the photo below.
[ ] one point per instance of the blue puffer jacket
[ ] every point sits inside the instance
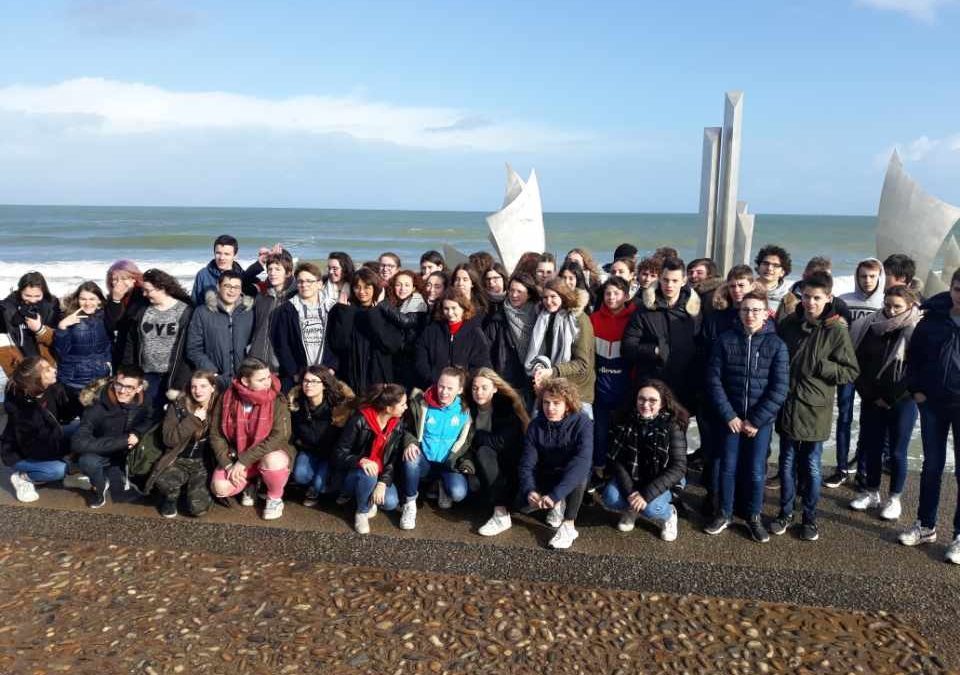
(748, 376)
(933, 357)
(84, 351)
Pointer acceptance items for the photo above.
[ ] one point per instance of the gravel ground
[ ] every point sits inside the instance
(94, 608)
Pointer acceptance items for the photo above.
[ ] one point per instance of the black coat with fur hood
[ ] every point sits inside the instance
(106, 423)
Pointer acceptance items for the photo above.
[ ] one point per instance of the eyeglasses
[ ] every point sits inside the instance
(231, 287)
(770, 264)
(119, 386)
(752, 310)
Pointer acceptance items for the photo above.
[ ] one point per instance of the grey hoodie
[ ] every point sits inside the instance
(859, 301)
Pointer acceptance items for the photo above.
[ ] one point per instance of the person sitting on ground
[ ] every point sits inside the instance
(647, 457)
(887, 411)
(369, 449)
(821, 358)
(82, 344)
(34, 444)
(116, 418)
(124, 297)
(430, 262)
(221, 329)
(747, 381)
(408, 312)
(181, 471)
(225, 249)
(28, 317)
(500, 421)
(562, 343)
(439, 432)
(249, 431)
(279, 288)
(454, 338)
(319, 407)
(555, 463)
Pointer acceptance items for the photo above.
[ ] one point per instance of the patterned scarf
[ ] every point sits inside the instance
(641, 445)
(520, 322)
(248, 428)
(561, 335)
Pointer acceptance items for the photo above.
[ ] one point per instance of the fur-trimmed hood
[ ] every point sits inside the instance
(341, 414)
(708, 284)
(100, 388)
(689, 299)
(583, 301)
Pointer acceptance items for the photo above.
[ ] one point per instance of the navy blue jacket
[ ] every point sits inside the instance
(560, 454)
(748, 377)
(84, 351)
(207, 279)
(933, 356)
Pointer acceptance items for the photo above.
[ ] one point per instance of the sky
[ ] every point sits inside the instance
(418, 105)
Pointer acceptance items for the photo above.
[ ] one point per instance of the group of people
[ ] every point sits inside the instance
(540, 388)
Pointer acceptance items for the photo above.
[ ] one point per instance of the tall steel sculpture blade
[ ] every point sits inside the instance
(726, 227)
(518, 226)
(709, 179)
(911, 221)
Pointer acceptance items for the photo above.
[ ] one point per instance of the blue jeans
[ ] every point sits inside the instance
(800, 459)
(934, 425)
(95, 467)
(454, 484)
(737, 449)
(657, 509)
(311, 470)
(877, 426)
(42, 471)
(361, 486)
(845, 394)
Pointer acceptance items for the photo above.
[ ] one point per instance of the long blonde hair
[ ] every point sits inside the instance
(504, 388)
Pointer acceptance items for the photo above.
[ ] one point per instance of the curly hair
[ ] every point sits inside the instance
(415, 279)
(562, 388)
(771, 249)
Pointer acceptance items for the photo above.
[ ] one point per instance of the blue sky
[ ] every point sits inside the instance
(418, 105)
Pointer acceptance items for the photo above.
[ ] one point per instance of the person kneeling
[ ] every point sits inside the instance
(647, 457)
(182, 469)
(116, 417)
(440, 431)
(556, 460)
(248, 436)
(368, 449)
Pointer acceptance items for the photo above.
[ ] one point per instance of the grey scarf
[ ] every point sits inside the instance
(880, 324)
(415, 303)
(520, 322)
(565, 333)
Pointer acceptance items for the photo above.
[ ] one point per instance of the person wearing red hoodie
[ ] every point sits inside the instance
(613, 371)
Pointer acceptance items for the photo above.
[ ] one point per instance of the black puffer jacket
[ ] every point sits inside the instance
(34, 428)
(356, 441)
(438, 349)
(316, 430)
(364, 344)
(106, 424)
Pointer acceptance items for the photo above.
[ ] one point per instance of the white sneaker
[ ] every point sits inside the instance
(627, 522)
(668, 530)
(24, 487)
(273, 509)
(408, 516)
(372, 511)
(495, 525)
(917, 534)
(953, 552)
(891, 508)
(76, 481)
(311, 498)
(555, 515)
(247, 496)
(443, 499)
(564, 538)
(866, 500)
(361, 523)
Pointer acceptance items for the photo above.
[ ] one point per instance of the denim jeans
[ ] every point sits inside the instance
(361, 486)
(42, 471)
(800, 459)
(658, 509)
(934, 425)
(845, 395)
(738, 449)
(454, 484)
(878, 425)
(95, 467)
(311, 470)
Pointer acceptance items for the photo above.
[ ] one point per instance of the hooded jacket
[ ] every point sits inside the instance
(664, 342)
(859, 302)
(707, 290)
(613, 370)
(438, 349)
(34, 426)
(781, 299)
(558, 455)
(356, 441)
(208, 278)
(217, 339)
(416, 418)
(84, 351)
(821, 357)
(748, 375)
(933, 357)
(106, 423)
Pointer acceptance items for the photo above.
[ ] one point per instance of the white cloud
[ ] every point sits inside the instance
(920, 10)
(922, 149)
(113, 107)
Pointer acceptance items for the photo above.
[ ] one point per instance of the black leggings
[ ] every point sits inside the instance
(573, 500)
(497, 473)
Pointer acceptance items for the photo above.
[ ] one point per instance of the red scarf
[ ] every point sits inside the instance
(380, 436)
(247, 429)
(454, 327)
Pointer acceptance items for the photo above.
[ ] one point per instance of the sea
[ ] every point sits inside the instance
(71, 244)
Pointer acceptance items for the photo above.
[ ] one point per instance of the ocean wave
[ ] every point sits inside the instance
(63, 277)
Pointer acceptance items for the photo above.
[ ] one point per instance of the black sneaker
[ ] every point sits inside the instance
(810, 532)
(98, 498)
(780, 524)
(168, 509)
(773, 482)
(837, 479)
(757, 531)
(718, 525)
